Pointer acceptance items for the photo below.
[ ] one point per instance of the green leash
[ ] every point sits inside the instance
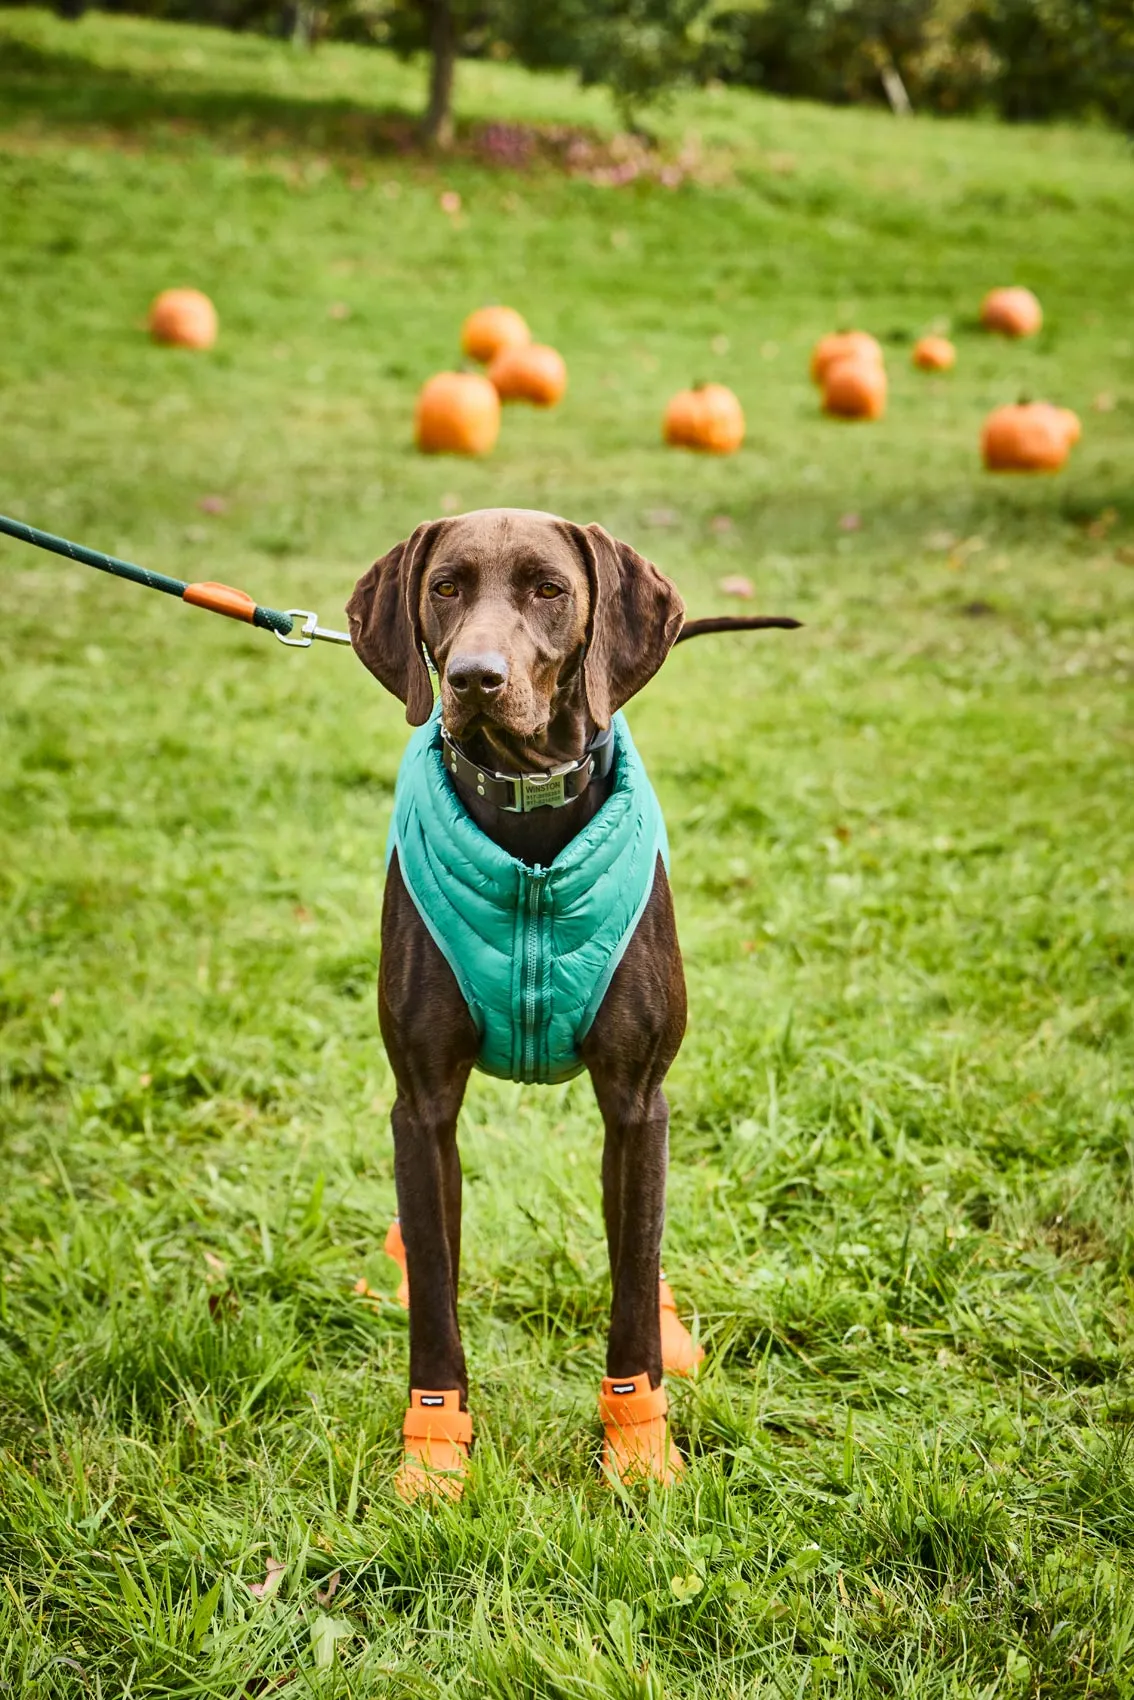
(217, 598)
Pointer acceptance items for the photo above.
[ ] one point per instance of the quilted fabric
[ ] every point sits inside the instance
(533, 949)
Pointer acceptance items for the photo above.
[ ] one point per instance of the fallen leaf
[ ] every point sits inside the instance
(940, 541)
(145, 1080)
(216, 1264)
(1104, 402)
(56, 998)
(736, 585)
(212, 505)
(273, 1576)
(325, 1632)
(1099, 527)
(450, 202)
(721, 524)
(850, 522)
(324, 1596)
(338, 310)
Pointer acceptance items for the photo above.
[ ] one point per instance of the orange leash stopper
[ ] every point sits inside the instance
(437, 1436)
(395, 1248)
(681, 1355)
(636, 1444)
(221, 599)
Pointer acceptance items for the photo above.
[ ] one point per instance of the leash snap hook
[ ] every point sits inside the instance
(309, 629)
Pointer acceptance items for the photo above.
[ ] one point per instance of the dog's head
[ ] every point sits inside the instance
(512, 606)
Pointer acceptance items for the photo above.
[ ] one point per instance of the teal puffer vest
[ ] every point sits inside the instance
(533, 949)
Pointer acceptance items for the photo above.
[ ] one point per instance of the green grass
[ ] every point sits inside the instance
(902, 1135)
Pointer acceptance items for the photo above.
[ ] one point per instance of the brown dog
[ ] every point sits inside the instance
(539, 631)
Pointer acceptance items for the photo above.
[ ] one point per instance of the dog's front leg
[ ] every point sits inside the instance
(629, 1049)
(432, 1043)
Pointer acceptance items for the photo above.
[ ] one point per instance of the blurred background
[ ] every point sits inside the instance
(1022, 59)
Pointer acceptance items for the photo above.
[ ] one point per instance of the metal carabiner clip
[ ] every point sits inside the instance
(310, 630)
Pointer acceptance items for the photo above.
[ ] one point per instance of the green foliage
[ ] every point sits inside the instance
(830, 50)
(639, 49)
(900, 1198)
(1025, 59)
(1053, 57)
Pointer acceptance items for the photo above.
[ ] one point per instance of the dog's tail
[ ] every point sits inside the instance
(737, 623)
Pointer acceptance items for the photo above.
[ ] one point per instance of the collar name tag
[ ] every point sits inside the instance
(539, 792)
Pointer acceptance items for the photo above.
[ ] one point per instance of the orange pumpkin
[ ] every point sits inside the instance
(1012, 312)
(840, 345)
(184, 318)
(855, 389)
(1031, 437)
(1072, 424)
(490, 329)
(532, 373)
(457, 413)
(708, 417)
(934, 354)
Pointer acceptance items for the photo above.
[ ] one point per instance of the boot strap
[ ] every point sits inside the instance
(627, 1410)
(431, 1422)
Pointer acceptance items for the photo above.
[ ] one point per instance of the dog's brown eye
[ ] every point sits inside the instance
(548, 590)
(444, 587)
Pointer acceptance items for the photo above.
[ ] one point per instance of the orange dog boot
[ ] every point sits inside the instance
(680, 1354)
(437, 1434)
(395, 1248)
(637, 1446)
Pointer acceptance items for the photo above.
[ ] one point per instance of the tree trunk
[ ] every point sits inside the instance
(438, 126)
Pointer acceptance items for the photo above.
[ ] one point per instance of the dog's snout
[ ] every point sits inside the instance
(483, 675)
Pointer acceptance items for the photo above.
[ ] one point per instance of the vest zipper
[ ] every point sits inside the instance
(532, 977)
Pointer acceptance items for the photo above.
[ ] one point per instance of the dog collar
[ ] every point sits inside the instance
(520, 793)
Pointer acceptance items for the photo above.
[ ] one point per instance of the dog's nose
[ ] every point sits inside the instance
(477, 675)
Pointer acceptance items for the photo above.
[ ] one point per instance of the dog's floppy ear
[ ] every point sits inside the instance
(636, 615)
(385, 626)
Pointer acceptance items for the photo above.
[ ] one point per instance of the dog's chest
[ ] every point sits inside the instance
(533, 949)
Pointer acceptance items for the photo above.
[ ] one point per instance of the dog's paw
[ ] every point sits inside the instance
(681, 1354)
(637, 1446)
(437, 1436)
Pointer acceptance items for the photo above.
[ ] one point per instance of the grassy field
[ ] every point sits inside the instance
(902, 1136)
